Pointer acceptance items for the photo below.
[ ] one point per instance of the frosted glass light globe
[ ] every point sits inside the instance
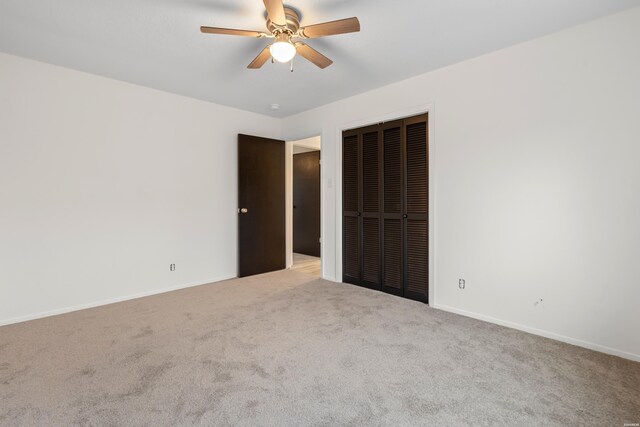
(282, 50)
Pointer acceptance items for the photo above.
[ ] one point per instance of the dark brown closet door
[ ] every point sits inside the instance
(416, 209)
(351, 183)
(371, 192)
(385, 207)
(392, 205)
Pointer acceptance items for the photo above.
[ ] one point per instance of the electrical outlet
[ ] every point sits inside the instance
(172, 267)
(461, 283)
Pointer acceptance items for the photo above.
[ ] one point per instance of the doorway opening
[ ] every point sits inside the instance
(303, 192)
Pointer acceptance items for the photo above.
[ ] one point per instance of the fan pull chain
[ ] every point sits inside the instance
(292, 65)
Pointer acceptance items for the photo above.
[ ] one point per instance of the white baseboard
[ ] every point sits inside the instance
(109, 301)
(535, 331)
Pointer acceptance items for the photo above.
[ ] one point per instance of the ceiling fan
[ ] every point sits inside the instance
(283, 24)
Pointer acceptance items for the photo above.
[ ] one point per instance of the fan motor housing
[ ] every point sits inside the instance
(293, 21)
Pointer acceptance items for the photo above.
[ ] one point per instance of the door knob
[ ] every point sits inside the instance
(405, 216)
(244, 210)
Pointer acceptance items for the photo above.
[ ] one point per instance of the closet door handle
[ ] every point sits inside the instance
(359, 214)
(405, 216)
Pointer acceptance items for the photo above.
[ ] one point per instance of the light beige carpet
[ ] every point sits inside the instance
(279, 350)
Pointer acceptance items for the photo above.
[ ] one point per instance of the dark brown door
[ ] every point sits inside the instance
(351, 189)
(416, 208)
(361, 191)
(392, 208)
(385, 207)
(261, 205)
(306, 203)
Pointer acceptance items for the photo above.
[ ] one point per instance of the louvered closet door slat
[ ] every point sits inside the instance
(417, 259)
(351, 248)
(393, 253)
(417, 177)
(370, 157)
(371, 251)
(392, 170)
(350, 174)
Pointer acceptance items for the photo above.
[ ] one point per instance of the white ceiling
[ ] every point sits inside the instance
(157, 43)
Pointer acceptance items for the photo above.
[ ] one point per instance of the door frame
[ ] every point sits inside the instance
(394, 115)
(289, 201)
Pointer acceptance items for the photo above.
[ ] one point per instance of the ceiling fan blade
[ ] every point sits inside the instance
(275, 10)
(342, 26)
(231, 32)
(260, 59)
(313, 55)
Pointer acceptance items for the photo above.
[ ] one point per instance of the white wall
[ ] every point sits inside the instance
(299, 150)
(537, 181)
(291, 148)
(308, 144)
(103, 184)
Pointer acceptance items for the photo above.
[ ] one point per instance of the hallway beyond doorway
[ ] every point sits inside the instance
(306, 264)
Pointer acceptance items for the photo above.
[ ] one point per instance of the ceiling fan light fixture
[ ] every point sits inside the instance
(282, 50)
(283, 24)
